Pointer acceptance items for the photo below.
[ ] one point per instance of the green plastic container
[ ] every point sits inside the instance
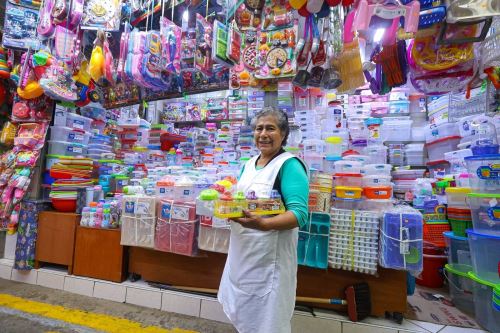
(458, 227)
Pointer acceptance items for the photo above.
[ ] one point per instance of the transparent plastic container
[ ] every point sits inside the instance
(485, 314)
(66, 148)
(72, 120)
(329, 164)
(485, 250)
(60, 133)
(484, 138)
(457, 159)
(461, 289)
(376, 154)
(457, 196)
(436, 132)
(376, 180)
(459, 256)
(436, 149)
(485, 209)
(484, 172)
(333, 146)
(377, 169)
(347, 167)
(348, 179)
(397, 129)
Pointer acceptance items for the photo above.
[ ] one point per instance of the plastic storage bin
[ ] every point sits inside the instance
(461, 289)
(459, 257)
(345, 192)
(213, 239)
(457, 197)
(436, 149)
(378, 192)
(376, 169)
(485, 209)
(348, 167)
(485, 254)
(60, 133)
(485, 314)
(485, 173)
(438, 169)
(72, 120)
(329, 164)
(376, 154)
(436, 132)
(66, 148)
(347, 179)
(333, 146)
(376, 180)
(397, 129)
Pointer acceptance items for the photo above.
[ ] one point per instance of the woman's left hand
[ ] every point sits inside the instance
(252, 221)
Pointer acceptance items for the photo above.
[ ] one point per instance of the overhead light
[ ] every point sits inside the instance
(379, 33)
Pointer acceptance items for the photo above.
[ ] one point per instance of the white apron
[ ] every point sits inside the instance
(258, 286)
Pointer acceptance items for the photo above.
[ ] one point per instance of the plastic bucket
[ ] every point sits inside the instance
(432, 275)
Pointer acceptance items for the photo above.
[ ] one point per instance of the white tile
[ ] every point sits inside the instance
(430, 327)
(144, 297)
(79, 285)
(5, 271)
(174, 302)
(24, 276)
(306, 323)
(454, 329)
(211, 309)
(362, 328)
(50, 279)
(7, 262)
(110, 291)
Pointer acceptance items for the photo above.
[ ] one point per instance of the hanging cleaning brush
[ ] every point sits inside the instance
(357, 298)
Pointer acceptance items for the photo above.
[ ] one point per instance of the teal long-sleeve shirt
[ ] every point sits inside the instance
(294, 189)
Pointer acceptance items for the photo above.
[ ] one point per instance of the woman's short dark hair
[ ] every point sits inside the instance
(280, 116)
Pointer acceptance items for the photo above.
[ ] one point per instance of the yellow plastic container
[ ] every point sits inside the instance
(345, 192)
(226, 209)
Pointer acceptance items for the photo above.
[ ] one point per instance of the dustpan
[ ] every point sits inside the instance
(349, 62)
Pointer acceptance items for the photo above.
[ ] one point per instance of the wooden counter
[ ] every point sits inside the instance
(388, 289)
(56, 238)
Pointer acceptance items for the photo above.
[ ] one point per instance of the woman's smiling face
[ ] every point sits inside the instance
(268, 136)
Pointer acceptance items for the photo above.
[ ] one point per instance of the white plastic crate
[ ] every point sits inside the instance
(354, 240)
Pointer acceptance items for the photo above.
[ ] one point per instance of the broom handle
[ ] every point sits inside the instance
(299, 298)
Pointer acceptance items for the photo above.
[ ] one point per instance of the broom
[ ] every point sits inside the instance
(349, 62)
(357, 298)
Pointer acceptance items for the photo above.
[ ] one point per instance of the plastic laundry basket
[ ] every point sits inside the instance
(461, 289)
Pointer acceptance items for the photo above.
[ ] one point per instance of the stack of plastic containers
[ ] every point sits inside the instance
(70, 134)
(347, 184)
(100, 147)
(405, 179)
(313, 153)
(377, 186)
(484, 238)
(414, 154)
(459, 214)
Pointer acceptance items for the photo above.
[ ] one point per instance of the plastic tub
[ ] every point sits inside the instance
(377, 169)
(458, 227)
(376, 180)
(329, 164)
(347, 167)
(461, 289)
(377, 205)
(459, 257)
(485, 210)
(350, 204)
(436, 132)
(378, 192)
(333, 146)
(485, 173)
(461, 214)
(485, 314)
(457, 197)
(66, 148)
(345, 192)
(72, 120)
(457, 159)
(376, 154)
(348, 179)
(357, 158)
(60, 133)
(436, 149)
(417, 159)
(485, 254)
(432, 275)
(408, 174)
(439, 168)
(397, 129)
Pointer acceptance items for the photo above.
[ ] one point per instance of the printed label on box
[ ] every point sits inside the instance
(180, 213)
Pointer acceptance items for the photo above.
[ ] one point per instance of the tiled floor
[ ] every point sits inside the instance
(140, 293)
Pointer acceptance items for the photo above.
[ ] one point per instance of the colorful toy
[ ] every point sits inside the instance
(101, 14)
(20, 27)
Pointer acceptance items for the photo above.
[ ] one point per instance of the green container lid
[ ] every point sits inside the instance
(475, 278)
(484, 195)
(451, 269)
(110, 161)
(54, 156)
(208, 195)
